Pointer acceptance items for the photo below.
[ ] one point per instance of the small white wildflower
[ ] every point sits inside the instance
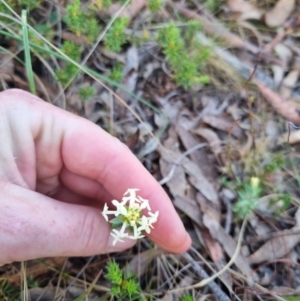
(129, 216)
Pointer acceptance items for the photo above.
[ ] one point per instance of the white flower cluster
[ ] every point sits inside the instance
(129, 216)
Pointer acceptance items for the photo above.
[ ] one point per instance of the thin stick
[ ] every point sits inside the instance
(219, 294)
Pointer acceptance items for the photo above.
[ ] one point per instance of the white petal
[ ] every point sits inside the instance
(131, 196)
(120, 208)
(145, 203)
(116, 238)
(104, 212)
(153, 217)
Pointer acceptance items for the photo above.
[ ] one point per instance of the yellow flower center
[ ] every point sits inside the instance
(133, 215)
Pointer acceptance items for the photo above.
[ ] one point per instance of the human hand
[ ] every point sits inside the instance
(56, 172)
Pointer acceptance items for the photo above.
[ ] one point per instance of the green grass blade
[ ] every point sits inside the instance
(28, 64)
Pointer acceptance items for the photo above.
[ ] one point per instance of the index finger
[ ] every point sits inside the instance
(89, 151)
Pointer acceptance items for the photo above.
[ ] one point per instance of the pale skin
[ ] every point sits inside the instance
(56, 172)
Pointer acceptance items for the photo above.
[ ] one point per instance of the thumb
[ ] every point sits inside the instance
(33, 226)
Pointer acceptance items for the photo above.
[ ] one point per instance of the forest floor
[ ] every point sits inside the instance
(207, 95)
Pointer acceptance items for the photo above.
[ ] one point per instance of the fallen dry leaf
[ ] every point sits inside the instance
(196, 177)
(288, 84)
(245, 8)
(214, 28)
(279, 13)
(211, 222)
(190, 208)
(6, 64)
(276, 247)
(199, 156)
(283, 107)
(275, 41)
(290, 138)
(284, 291)
(216, 254)
(213, 246)
(211, 137)
(177, 184)
(285, 54)
(256, 33)
(223, 124)
(230, 246)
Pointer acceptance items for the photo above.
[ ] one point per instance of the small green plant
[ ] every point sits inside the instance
(186, 298)
(73, 51)
(82, 21)
(124, 284)
(116, 37)
(155, 5)
(248, 197)
(100, 4)
(18, 5)
(8, 292)
(45, 31)
(212, 5)
(85, 93)
(250, 191)
(31, 282)
(184, 61)
(116, 73)
(191, 31)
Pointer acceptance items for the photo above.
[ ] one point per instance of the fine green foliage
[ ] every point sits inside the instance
(75, 17)
(116, 73)
(82, 21)
(212, 5)
(73, 51)
(18, 5)
(155, 5)
(12, 293)
(116, 37)
(184, 62)
(250, 191)
(191, 31)
(124, 284)
(186, 298)
(85, 93)
(8, 292)
(248, 197)
(45, 31)
(100, 4)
